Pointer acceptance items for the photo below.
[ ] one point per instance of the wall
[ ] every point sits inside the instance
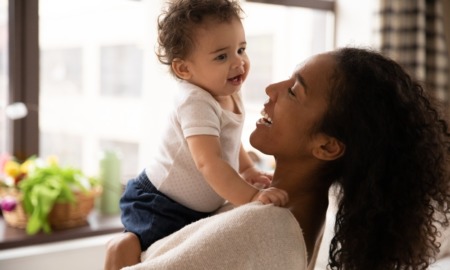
(87, 253)
(356, 23)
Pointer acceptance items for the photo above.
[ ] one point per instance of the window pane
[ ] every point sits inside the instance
(121, 70)
(71, 152)
(91, 77)
(3, 73)
(102, 87)
(61, 71)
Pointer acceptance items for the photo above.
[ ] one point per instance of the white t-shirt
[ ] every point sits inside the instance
(173, 171)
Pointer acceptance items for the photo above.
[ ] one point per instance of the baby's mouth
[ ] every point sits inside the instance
(265, 120)
(236, 79)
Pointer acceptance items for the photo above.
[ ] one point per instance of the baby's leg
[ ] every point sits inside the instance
(123, 250)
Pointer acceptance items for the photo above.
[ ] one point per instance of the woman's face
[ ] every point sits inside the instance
(294, 108)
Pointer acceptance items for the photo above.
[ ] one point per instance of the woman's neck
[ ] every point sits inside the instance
(310, 213)
(308, 202)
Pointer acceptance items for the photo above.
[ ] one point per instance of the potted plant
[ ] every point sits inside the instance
(43, 195)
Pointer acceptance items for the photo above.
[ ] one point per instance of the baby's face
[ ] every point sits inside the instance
(219, 63)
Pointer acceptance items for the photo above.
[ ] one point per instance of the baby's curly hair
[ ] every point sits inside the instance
(393, 179)
(177, 23)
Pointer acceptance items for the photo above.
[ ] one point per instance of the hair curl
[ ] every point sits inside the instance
(393, 178)
(177, 24)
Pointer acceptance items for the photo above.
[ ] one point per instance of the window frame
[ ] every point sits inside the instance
(328, 5)
(23, 76)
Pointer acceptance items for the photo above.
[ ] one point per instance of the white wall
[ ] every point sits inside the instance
(86, 254)
(356, 23)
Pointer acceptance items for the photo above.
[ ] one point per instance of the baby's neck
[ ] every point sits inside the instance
(228, 103)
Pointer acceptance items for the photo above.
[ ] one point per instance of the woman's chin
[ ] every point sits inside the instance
(258, 142)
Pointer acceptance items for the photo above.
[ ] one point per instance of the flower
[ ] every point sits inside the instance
(3, 159)
(8, 203)
(12, 168)
(12, 172)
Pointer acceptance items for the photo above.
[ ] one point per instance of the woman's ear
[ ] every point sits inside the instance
(181, 69)
(328, 148)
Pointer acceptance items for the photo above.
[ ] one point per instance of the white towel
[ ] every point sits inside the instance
(252, 236)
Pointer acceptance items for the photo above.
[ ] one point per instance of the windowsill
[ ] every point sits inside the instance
(98, 224)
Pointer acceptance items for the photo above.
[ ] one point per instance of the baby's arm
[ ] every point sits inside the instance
(207, 156)
(250, 173)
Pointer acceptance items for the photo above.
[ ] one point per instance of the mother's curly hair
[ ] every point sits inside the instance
(393, 178)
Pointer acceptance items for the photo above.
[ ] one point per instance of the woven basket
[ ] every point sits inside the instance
(63, 215)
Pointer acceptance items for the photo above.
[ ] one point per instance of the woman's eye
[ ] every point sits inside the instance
(290, 92)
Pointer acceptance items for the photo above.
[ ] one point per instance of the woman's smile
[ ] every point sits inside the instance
(265, 120)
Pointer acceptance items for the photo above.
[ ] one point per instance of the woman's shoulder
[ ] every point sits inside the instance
(271, 221)
(256, 211)
(266, 232)
(252, 236)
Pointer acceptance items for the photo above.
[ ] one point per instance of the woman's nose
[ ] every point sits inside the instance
(270, 91)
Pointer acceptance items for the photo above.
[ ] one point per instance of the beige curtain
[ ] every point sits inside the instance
(412, 32)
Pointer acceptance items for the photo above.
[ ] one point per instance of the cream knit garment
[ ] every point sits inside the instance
(252, 236)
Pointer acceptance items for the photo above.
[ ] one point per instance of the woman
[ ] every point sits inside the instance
(352, 119)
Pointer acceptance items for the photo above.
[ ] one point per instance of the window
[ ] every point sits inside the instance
(102, 88)
(71, 153)
(61, 71)
(121, 70)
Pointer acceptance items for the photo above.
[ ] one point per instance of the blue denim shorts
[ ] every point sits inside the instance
(150, 214)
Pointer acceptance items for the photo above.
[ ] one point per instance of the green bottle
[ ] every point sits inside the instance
(110, 171)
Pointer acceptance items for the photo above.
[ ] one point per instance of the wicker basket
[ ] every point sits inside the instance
(63, 215)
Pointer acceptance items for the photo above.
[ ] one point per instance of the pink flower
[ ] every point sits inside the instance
(8, 204)
(5, 157)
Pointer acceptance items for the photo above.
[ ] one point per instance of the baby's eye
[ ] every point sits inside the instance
(241, 50)
(221, 57)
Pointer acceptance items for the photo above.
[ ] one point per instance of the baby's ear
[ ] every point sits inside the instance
(181, 69)
(328, 147)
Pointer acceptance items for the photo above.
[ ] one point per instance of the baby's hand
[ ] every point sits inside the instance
(257, 178)
(276, 196)
(260, 181)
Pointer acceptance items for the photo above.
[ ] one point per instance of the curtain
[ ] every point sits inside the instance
(412, 33)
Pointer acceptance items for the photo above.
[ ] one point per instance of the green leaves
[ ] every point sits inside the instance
(43, 187)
